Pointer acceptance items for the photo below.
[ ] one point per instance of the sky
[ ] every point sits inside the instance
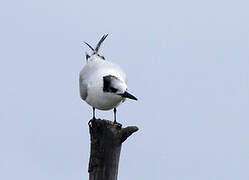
(186, 61)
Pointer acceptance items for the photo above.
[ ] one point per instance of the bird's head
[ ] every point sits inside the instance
(112, 84)
(96, 49)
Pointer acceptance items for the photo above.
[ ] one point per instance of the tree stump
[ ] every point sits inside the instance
(106, 142)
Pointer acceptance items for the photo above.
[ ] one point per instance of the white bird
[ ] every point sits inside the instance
(102, 83)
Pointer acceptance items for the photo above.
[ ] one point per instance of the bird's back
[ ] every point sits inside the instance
(98, 68)
(91, 76)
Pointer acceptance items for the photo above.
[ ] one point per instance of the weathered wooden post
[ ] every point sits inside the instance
(106, 142)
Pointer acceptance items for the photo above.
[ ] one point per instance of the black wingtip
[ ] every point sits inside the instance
(100, 42)
(87, 56)
(89, 46)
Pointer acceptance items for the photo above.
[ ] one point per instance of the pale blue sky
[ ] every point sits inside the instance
(186, 61)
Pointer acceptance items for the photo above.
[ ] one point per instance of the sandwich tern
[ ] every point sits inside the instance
(103, 84)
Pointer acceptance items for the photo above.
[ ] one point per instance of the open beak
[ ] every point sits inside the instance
(128, 95)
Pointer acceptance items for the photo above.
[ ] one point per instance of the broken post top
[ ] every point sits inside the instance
(110, 130)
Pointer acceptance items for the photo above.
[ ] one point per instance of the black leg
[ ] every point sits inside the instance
(90, 122)
(93, 112)
(115, 110)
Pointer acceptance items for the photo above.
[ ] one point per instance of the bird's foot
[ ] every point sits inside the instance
(90, 122)
(117, 124)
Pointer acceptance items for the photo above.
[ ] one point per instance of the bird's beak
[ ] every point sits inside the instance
(128, 95)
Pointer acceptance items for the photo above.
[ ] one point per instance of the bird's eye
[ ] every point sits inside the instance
(113, 89)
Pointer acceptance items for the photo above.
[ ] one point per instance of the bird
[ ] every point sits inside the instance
(102, 83)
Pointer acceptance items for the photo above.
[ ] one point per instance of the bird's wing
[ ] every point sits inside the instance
(83, 88)
(85, 77)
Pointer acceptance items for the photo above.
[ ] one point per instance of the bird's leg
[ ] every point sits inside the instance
(90, 122)
(115, 110)
(115, 120)
(93, 112)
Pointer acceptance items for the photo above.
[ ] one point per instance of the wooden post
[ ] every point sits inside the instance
(106, 141)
